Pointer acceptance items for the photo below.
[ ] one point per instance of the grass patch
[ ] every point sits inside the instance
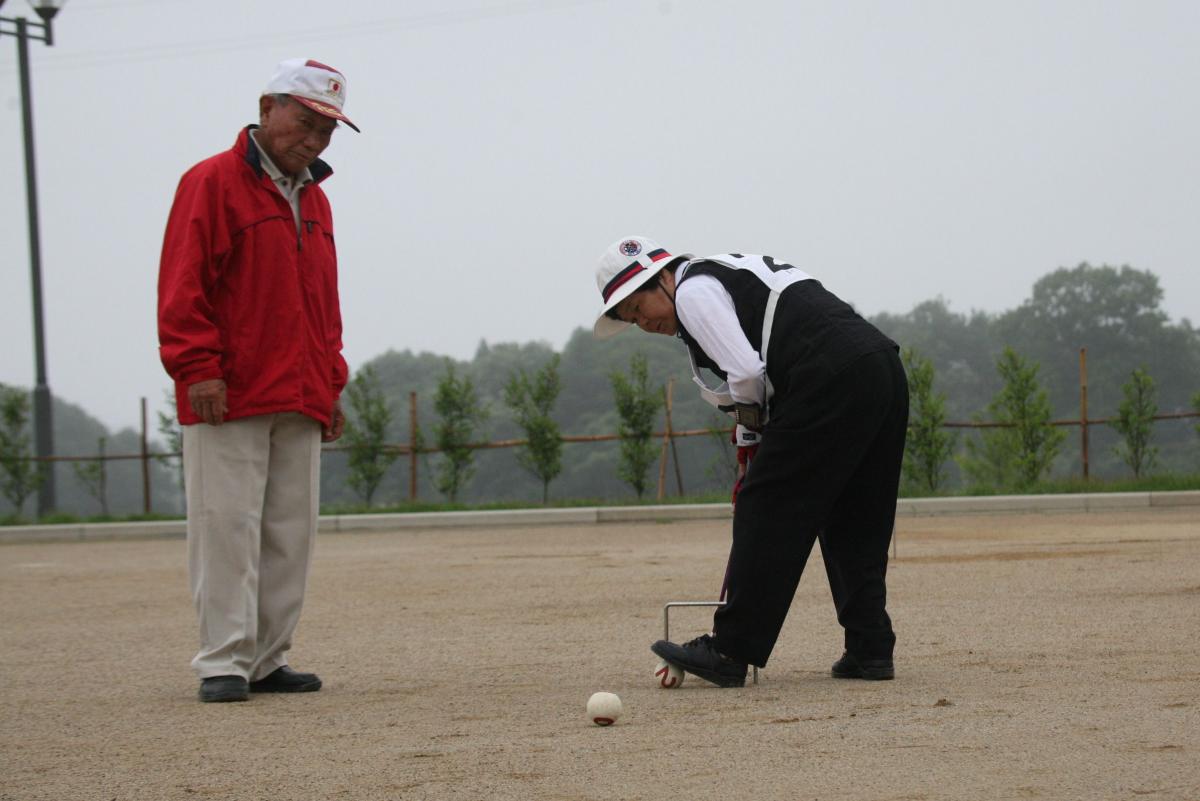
(67, 518)
(1075, 486)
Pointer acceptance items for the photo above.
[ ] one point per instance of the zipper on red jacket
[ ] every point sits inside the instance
(307, 224)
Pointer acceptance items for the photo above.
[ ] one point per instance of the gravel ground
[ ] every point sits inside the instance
(1046, 656)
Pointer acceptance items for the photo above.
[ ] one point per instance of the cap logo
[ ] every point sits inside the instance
(335, 87)
(630, 247)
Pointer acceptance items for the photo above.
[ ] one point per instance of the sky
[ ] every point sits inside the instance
(898, 151)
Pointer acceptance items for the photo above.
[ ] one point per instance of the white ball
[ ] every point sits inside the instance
(668, 676)
(603, 709)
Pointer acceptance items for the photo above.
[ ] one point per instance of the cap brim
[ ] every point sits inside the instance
(607, 327)
(325, 109)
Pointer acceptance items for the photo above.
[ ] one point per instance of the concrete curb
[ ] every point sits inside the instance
(331, 524)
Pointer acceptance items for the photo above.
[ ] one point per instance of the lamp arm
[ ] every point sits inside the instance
(19, 23)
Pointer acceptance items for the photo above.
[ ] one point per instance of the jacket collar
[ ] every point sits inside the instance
(249, 152)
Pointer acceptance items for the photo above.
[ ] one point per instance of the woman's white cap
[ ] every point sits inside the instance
(626, 265)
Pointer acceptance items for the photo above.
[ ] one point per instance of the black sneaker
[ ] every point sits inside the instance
(850, 667)
(701, 658)
(217, 689)
(286, 680)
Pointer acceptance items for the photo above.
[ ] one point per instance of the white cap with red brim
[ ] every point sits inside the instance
(316, 85)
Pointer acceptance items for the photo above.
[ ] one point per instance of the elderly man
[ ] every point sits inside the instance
(250, 330)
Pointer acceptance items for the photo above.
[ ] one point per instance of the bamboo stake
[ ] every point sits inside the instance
(412, 446)
(145, 464)
(1083, 418)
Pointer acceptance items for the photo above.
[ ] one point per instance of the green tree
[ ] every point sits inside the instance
(1135, 423)
(366, 434)
(531, 399)
(459, 415)
(927, 447)
(637, 406)
(1196, 406)
(723, 466)
(1104, 301)
(1020, 452)
(1116, 313)
(94, 476)
(19, 474)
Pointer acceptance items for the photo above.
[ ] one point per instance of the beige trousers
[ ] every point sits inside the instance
(252, 500)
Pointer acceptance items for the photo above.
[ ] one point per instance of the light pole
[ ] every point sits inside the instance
(25, 30)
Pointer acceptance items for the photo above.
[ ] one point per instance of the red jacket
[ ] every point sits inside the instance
(242, 297)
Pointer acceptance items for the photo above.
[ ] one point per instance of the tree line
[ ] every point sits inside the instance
(1012, 368)
(1015, 451)
(529, 396)
(1017, 370)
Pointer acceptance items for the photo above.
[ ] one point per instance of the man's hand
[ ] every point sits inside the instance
(208, 400)
(337, 422)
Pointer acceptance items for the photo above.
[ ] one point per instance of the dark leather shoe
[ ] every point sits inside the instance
(850, 667)
(286, 680)
(700, 658)
(216, 689)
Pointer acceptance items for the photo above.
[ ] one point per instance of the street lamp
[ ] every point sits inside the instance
(25, 30)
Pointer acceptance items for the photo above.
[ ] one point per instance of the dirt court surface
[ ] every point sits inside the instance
(1051, 656)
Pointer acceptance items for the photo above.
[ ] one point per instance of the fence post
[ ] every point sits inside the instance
(662, 461)
(1083, 418)
(412, 446)
(102, 442)
(145, 464)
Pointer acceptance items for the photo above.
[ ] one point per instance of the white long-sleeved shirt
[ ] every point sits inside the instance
(706, 310)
